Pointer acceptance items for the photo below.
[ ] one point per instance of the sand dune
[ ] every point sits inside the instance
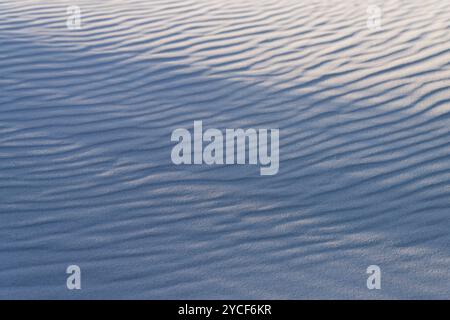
(86, 177)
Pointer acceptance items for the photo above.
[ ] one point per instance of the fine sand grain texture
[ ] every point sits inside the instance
(86, 176)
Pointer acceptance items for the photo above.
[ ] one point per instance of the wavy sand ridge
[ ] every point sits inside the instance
(85, 170)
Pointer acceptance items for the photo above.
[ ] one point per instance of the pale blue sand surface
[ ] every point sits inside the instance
(86, 176)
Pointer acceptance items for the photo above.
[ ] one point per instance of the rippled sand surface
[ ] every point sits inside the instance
(86, 176)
